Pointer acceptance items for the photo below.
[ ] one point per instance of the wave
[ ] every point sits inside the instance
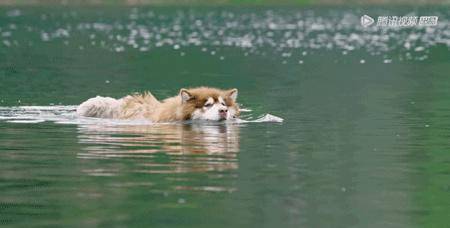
(62, 114)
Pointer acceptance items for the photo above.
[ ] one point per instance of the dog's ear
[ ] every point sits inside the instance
(185, 95)
(232, 94)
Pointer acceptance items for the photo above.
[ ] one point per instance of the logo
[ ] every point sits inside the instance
(366, 21)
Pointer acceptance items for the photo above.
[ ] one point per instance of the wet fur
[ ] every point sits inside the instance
(146, 106)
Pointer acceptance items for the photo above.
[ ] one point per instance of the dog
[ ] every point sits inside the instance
(201, 103)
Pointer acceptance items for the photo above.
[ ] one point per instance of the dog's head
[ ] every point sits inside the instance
(209, 104)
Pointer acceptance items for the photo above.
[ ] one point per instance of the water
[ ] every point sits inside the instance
(364, 142)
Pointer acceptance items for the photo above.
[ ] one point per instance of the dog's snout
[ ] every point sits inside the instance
(223, 111)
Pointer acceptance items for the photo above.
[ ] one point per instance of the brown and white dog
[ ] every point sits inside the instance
(202, 103)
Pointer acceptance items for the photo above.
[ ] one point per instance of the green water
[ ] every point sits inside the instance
(364, 142)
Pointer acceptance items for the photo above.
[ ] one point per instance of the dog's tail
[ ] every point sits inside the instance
(100, 107)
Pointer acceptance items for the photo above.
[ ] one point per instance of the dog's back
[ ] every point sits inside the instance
(133, 106)
(101, 107)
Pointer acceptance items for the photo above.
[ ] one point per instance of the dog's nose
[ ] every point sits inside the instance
(223, 113)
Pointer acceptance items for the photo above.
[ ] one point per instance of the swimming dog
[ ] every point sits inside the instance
(201, 103)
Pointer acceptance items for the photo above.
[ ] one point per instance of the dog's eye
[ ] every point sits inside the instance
(208, 105)
(223, 104)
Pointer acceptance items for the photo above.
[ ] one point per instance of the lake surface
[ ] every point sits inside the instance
(364, 142)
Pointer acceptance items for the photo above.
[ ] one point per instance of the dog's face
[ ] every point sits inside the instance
(209, 104)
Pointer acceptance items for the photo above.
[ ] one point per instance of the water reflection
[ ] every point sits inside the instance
(162, 148)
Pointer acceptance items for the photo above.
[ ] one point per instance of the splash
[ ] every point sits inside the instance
(67, 115)
(266, 118)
